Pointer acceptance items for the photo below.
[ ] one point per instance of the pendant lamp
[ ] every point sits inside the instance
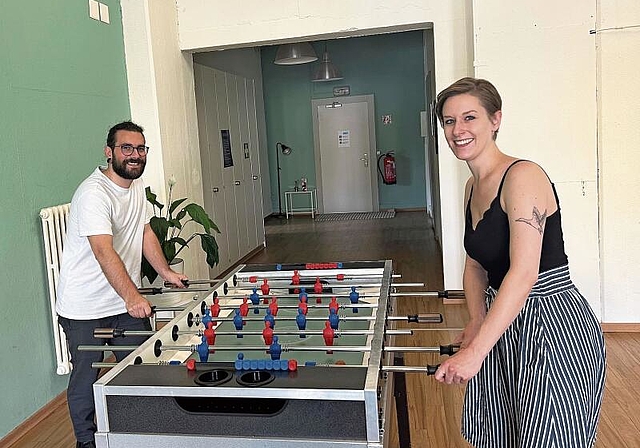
(293, 54)
(327, 71)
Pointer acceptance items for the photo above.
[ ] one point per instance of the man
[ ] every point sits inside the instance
(108, 232)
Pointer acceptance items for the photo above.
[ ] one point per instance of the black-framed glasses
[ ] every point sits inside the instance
(127, 149)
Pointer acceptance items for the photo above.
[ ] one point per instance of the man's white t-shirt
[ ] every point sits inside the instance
(100, 207)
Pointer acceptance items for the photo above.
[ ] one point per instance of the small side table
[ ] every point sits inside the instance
(310, 202)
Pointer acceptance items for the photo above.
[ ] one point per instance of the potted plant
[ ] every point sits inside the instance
(169, 226)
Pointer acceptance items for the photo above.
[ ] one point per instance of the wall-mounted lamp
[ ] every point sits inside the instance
(327, 71)
(293, 54)
(286, 150)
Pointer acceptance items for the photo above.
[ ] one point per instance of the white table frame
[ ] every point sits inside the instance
(311, 208)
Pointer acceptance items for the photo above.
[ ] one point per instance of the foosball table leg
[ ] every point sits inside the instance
(402, 408)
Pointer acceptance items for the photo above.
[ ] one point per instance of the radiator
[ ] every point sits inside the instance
(54, 229)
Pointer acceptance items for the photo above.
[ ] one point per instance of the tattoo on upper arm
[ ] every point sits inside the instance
(536, 221)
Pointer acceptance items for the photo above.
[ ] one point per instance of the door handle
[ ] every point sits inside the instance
(216, 189)
(237, 182)
(365, 159)
(255, 177)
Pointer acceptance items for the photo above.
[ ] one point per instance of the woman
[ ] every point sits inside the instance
(533, 351)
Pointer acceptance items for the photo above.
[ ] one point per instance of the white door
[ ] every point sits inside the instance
(345, 154)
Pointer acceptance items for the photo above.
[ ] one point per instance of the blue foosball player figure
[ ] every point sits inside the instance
(269, 318)
(301, 321)
(353, 297)
(203, 350)
(237, 321)
(255, 300)
(275, 349)
(334, 319)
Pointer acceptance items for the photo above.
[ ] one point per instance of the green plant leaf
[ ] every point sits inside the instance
(175, 204)
(210, 246)
(160, 227)
(198, 214)
(152, 198)
(148, 271)
(181, 215)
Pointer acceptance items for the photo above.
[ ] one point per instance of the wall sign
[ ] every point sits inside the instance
(341, 91)
(226, 148)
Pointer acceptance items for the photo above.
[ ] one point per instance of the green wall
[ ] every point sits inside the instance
(390, 66)
(62, 84)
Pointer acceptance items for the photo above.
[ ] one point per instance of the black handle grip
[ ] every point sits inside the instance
(150, 291)
(449, 350)
(185, 282)
(431, 369)
(452, 294)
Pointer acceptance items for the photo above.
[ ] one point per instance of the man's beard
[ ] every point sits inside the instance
(127, 172)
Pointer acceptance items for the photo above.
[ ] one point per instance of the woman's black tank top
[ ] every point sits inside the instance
(488, 244)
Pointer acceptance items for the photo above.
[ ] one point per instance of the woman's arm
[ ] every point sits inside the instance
(527, 199)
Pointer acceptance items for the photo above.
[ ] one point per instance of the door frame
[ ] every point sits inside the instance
(373, 154)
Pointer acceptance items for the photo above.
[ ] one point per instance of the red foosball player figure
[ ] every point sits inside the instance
(215, 309)
(303, 305)
(273, 306)
(328, 334)
(265, 287)
(295, 280)
(334, 304)
(267, 333)
(317, 286)
(244, 310)
(210, 334)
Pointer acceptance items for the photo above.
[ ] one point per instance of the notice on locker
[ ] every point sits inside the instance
(226, 148)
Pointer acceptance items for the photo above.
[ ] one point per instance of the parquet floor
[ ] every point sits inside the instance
(434, 409)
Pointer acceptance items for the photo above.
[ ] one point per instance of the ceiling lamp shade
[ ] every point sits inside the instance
(293, 54)
(326, 71)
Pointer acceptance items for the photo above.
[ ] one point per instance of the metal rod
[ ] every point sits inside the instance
(110, 333)
(284, 348)
(342, 307)
(193, 282)
(429, 369)
(447, 294)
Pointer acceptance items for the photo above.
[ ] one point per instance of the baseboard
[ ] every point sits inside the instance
(412, 209)
(29, 424)
(454, 301)
(620, 328)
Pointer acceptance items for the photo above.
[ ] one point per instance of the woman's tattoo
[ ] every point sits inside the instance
(536, 221)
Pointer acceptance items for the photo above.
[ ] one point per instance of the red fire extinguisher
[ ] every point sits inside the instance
(388, 170)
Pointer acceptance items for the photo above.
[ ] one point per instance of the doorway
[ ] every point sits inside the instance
(345, 154)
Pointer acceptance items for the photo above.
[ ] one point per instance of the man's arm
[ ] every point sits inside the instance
(153, 253)
(117, 275)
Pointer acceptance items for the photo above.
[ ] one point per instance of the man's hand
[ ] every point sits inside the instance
(175, 278)
(138, 307)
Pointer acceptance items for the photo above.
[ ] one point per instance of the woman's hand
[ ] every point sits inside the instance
(461, 367)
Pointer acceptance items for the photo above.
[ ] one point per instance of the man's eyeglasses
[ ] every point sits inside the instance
(127, 150)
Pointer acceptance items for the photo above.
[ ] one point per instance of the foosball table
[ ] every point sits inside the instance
(297, 355)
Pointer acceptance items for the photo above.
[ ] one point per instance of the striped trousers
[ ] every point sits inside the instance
(541, 385)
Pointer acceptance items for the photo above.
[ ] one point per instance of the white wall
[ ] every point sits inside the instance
(542, 58)
(618, 65)
(162, 97)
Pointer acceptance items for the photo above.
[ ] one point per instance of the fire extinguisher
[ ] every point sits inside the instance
(388, 171)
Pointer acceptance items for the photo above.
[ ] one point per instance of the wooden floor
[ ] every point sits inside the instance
(434, 409)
